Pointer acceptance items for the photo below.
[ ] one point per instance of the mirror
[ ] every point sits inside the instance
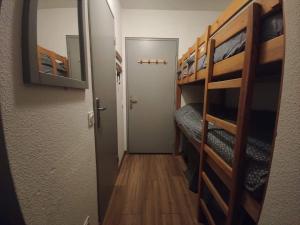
(53, 43)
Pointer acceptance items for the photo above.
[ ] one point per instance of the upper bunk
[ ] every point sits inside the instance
(51, 63)
(229, 34)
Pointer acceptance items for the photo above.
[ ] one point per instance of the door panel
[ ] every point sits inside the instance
(104, 84)
(73, 49)
(151, 95)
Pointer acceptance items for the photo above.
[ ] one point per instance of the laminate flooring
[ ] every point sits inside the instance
(152, 190)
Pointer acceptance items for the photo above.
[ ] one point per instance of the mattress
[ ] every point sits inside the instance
(191, 64)
(272, 26)
(258, 150)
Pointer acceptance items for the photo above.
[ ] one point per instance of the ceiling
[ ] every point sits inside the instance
(49, 4)
(213, 5)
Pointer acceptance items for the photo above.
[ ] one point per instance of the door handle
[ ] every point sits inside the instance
(99, 108)
(132, 101)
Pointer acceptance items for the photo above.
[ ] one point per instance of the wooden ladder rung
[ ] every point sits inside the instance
(215, 193)
(252, 207)
(208, 215)
(230, 127)
(227, 84)
(218, 160)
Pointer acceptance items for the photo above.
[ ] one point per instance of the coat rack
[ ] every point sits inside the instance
(119, 66)
(152, 61)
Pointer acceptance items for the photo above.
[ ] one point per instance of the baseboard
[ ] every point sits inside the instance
(122, 160)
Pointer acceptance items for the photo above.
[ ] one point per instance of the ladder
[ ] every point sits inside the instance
(234, 173)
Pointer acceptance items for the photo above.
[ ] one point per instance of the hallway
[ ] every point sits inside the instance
(152, 190)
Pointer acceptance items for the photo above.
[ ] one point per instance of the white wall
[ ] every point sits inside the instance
(116, 10)
(185, 25)
(50, 148)
(53, 26)
(282, 205)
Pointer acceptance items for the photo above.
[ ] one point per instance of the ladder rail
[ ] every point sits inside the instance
(210, 56)
(245, 102)
(245, 84)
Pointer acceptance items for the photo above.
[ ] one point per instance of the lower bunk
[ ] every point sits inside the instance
(220, 144)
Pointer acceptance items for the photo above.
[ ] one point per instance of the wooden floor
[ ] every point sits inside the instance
(152, 190)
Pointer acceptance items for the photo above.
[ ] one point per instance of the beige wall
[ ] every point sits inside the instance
(282, 205)
(64, 21)
(50, 147)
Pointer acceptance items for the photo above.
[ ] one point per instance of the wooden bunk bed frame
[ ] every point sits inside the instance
(55, 58)
(239, 15)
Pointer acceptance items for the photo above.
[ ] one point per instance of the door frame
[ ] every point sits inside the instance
(127, 80)
(100, 220)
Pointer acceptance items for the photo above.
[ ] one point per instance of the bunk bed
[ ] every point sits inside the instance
(246, 38)
(52, 63)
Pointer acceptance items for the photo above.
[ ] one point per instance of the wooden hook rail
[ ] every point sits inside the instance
(152, 61)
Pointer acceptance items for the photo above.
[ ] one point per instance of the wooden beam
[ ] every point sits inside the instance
(192, 78)
(236, 6)
(210, 66)
(245, 102)
(230, 127)
(227, 84)
(202, 74)
(230, 65)
(219, 161)
(220, 173)
(191, 140)
(209, 217)
(251, 206)
(272, 50)
(231, 11)
(235, 26)
(215, 193)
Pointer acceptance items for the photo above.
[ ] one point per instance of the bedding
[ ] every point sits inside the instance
(46, 66)
(258, 150)
(179, 73)
(185, 71)
(192, 160)
(272, 26)
(191, 64)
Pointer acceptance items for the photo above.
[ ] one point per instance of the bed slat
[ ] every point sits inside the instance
(220, 173)
(218, 160)
(207, 213)
(272, 50)
(230, 65)
(230, 127)
(227, 84)
(215, 193)
(231, 10)
(252, 207)
(231, 29)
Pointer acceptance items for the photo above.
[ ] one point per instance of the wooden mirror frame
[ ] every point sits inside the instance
(31, 73)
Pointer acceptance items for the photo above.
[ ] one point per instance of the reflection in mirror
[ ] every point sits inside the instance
(58, 38)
